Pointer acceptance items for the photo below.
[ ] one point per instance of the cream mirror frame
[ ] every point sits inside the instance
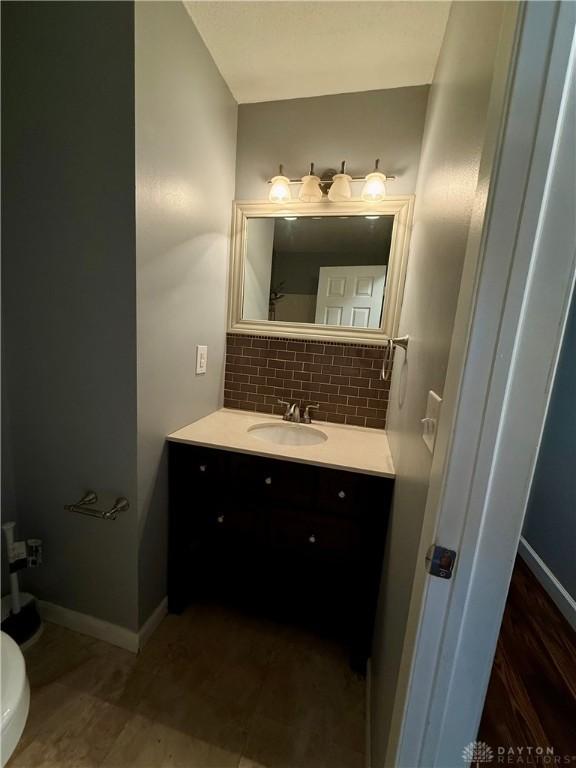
(399, 207)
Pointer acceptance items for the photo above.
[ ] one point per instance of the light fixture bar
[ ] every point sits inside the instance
(329, 181)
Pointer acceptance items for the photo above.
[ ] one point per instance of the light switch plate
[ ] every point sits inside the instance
(201, 358)
(430, 420)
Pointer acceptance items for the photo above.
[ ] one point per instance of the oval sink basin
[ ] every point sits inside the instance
(288, 434)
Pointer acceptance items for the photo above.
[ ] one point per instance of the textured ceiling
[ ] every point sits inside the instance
(272, 49)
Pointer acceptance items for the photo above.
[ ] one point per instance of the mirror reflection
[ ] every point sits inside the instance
(327, 270)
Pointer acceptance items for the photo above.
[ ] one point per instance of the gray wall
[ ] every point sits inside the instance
(185, 161)
(550, 525)
(68, 281)
(447, 180)
(357, 127)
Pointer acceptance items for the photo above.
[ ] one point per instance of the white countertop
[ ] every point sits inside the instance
(356, 449)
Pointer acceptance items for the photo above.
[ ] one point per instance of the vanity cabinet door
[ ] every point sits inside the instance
(296, 486)
(251, 480)
(338, 492)
(230, 527)
(346, 494)
(196, 476)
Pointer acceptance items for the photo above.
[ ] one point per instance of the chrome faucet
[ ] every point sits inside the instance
(292, 412)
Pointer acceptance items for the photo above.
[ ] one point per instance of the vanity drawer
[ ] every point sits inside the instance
(314, 536)
(199, 470)
(268, 482)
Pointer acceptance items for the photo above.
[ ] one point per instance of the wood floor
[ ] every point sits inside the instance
(212, 689)
(531, 698)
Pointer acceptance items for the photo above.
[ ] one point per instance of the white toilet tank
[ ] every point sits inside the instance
(15, 695)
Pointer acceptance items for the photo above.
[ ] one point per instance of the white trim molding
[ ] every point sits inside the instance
(89, 625)
(103, 630)
(152, 623)
(399, 207)
(563, 600)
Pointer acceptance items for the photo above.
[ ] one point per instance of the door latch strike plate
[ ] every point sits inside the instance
(440, 561)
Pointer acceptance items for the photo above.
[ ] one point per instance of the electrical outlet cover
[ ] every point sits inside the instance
(201, 358)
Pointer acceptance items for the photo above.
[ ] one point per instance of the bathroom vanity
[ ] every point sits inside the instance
(294, 532)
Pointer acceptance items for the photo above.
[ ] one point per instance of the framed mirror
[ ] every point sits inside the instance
(323, 271)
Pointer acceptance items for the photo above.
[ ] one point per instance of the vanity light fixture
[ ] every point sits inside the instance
(340, 188)
(280, 190)
(336, 186)
(310, 191)
(290, 218)
(375, 185)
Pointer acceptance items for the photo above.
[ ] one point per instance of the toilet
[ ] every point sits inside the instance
(15, 693)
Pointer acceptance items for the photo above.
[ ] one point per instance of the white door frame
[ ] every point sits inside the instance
(508, 332)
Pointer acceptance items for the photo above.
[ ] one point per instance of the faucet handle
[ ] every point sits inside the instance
(288, 406)
(307, 417)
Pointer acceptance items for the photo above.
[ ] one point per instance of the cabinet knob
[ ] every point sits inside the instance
(268, 480)
(341, 494)
(220, 518)
(312, 539)
(203, 467)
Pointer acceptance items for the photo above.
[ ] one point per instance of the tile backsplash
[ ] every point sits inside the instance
(344, 378)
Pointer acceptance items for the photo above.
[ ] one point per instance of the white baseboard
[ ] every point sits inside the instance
(564, 602)
(152, 622)
(369, 713)
(89, 625)
(103, 630)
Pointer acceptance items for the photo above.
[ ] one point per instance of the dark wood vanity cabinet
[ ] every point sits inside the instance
(289, 540)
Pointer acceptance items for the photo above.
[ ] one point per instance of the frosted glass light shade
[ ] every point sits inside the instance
(280, 190)
(310, 191)
(340, 188)
(374, 187)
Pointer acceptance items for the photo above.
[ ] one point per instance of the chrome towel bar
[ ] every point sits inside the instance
(398, 341)
(83, 507)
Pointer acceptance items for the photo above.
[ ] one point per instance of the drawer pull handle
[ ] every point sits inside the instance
(341, 494)
(268, 480)
(312, 539)
(203, 467)
(220, 518)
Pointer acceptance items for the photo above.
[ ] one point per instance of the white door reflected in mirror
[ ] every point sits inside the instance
(351, 296)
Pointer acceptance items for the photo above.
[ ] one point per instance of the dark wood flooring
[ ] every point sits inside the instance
(531, 698)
